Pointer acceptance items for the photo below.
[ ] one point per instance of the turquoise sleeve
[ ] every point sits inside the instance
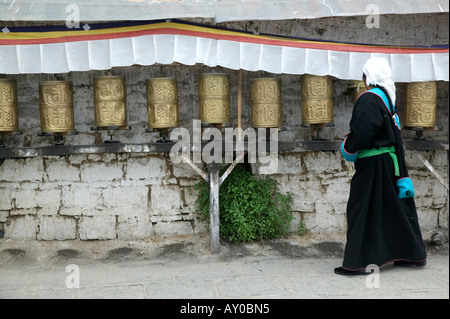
(405, 188)
(349, 157)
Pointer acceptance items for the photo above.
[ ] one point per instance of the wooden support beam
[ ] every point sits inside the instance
(214, 214)
(239, 100)
(231, 167)
(187, 160)
(432, 170)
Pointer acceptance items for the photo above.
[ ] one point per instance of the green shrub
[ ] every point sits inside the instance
(250, 208)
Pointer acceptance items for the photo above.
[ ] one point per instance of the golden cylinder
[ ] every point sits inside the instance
(266, 102)
(56, 106)
(214, 98)
(317, 99)
(162, 102)
(360, 87)
(9, 118)
(110, 103)
(421, 103)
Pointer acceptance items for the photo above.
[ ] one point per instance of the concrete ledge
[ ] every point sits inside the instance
(64, 150)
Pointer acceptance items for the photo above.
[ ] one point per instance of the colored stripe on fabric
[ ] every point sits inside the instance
(61, 34)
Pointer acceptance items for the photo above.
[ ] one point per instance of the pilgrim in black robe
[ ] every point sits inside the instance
(381, 214)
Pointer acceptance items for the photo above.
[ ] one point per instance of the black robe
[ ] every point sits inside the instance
(382, 228)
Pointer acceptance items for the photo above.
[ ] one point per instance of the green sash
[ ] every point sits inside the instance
(382, 150)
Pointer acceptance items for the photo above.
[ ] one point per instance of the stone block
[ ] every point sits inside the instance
(428, 218)
(439, 160)
(126, 197)
(23, 211)
(327, 219)
(25, 198)
(83, 196)
(134, 227)
(443, 218)
(4, 214)
(21, 227)
(290, 164)
(149, 169)
(163, 229)
(48, 198)
(97, 227)
(72, 211)
(57, 228)
(29, 169)
(165, 198)
(189, 196)
(60, 170)
(305, 194)
(183, 170)
(5, 199)
(322, 162)
(337, 192)
(100, 171)
(47, 210)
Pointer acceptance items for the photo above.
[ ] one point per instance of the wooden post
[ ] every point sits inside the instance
(239, 102)
(214, 215)
(214, 181)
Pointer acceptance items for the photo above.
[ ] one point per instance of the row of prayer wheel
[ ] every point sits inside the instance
(57, 114)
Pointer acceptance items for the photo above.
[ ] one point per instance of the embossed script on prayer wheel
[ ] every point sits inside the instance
(162, 102)
(214, 98)
(266, 102)
(56, 106)
(421, 104)
(110, 104)
(317, 101)
(9, 119)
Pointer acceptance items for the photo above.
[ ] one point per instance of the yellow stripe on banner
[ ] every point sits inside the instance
(191, 30)
(156, 26)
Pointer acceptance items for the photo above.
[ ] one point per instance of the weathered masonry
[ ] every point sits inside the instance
(84, 188)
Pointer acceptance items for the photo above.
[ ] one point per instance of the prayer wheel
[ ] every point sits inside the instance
(214, 98)
(421, 103)
(110, 104)
(9, 119)
(162, 102)
(317, 99)
(266, 102)
(359, 88)
(56, 106)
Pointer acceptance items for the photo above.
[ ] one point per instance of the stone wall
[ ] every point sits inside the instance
(137, 195)
(97, 197)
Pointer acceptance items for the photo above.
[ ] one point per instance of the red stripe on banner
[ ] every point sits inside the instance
(237, 38)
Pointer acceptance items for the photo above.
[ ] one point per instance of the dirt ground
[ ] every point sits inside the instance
(175, 247)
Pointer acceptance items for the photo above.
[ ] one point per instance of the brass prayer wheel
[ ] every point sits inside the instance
(214, 98)
(56, 106)
(162, 102)
(359, 87)
(266, 102)
(317, 99)
(421, 103)
(9, 119)
(110, 104)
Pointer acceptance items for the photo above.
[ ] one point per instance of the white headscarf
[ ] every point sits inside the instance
(378, 72)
